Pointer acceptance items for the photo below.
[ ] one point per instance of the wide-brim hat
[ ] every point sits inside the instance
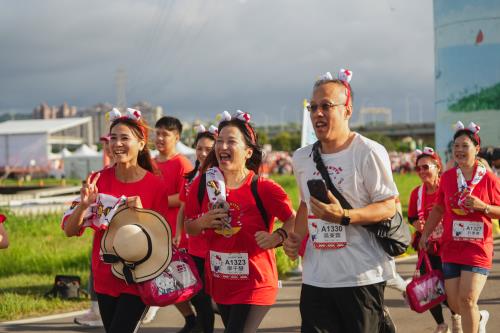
(137, 244)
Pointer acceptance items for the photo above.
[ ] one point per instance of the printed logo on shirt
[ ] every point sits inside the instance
(454, 206)
(335, 175)
(232, 224)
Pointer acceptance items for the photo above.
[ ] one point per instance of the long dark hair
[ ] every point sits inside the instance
(140, 130)
(251, 140)
(206, 134)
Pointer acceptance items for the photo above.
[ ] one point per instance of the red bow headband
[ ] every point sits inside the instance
(473, 128)
(243, 116)
(344, 76)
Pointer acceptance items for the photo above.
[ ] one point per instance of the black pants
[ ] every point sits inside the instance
(120, 314)
(202, 301)
(240, 318)
(349, 309)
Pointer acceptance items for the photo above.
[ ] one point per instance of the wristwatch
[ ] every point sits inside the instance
(487, 209)
(346, 219)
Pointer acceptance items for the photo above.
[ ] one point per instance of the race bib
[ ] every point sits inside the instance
(468, 230)
(232, 266)
(325, 235)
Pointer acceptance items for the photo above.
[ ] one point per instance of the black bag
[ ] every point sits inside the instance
(393, 235)
(66, 287)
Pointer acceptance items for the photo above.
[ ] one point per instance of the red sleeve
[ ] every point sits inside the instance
(412, 204)
(184, 167)
(495, 189)
(275, 200)
(192, 207)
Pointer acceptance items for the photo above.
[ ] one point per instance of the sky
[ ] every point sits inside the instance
(197, 58)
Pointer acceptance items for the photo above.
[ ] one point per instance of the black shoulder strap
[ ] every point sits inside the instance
(201, 188)
(258, 201)
(320, 165)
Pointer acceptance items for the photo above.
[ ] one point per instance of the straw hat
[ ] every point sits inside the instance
(137, 244)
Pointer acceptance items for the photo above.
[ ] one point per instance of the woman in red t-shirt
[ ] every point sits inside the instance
(119, 303)
(468, 198)
(197, 247)
(240, 264)
(422, 199)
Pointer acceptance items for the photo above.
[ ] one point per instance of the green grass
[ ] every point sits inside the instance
(38, 182)
(39, 250)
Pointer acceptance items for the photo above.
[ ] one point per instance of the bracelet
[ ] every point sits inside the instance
(282, 234)
(486, 210)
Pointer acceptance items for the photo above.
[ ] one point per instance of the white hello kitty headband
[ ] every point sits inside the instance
(244, 117)
(344, 76)
(472, 127)
(427, 151)
(132, 114)
(211, 129)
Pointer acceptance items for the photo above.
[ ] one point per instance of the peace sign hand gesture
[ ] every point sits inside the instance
(89, 191)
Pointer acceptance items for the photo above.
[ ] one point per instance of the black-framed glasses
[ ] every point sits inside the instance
(424, 167)
(325, 107)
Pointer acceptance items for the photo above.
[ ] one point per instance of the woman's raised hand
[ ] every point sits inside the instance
(89, 191)
(213, 218)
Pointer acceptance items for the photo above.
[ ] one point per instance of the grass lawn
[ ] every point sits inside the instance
(39, 250)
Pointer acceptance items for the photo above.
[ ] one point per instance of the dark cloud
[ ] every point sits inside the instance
(197, 58)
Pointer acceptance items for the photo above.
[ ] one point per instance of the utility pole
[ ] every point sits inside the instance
(121, 83)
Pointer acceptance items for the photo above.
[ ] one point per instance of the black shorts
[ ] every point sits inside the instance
(349, 309)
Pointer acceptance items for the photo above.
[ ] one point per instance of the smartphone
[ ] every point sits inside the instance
(317, 189)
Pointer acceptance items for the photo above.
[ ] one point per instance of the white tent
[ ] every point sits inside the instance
(81, 162)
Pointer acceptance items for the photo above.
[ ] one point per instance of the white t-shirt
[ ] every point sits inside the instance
(362, 173)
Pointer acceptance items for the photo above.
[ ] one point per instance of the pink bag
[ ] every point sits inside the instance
(179, 282)
(426, 291)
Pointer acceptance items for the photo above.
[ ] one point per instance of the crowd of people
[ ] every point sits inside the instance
(222, 212)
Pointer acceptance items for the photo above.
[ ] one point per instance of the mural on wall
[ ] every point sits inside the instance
(467, 68)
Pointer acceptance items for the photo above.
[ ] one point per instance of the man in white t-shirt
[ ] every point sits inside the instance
(344, 267)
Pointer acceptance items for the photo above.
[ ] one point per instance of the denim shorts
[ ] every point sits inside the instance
(451, 270)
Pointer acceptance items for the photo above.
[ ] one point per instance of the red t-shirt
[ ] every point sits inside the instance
(153, 197)
(173, 172)
(259, 285)
(476, 252)
(429, 200)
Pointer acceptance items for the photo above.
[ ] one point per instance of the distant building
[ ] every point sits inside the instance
(43, 111)
(101, 124)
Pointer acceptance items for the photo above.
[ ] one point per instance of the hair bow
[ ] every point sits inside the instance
(471, 127)
(211, 129)
(426, 151)
(130, 113)
(243, 116)
(344, 75)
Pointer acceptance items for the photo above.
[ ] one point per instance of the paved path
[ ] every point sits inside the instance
(285, 316)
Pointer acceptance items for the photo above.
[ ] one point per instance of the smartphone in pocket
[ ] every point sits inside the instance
(317, 189)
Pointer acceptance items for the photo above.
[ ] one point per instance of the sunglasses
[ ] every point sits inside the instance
(325, 107)
(424, 167)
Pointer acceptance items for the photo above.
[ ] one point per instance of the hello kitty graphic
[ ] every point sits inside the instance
(314, 231)
(459, 229)
(166, 283)
(216, 263)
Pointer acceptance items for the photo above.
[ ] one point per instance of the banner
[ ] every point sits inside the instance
(308, 137)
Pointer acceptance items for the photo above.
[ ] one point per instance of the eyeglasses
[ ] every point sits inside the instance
(424, 167)
(325, 107)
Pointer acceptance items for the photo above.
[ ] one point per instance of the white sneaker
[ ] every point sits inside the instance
(442, 328)
(150, 315)
(456, 323)
(89, 319)
(485, 315)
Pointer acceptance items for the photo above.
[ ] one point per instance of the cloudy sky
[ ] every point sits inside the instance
(197, 58)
